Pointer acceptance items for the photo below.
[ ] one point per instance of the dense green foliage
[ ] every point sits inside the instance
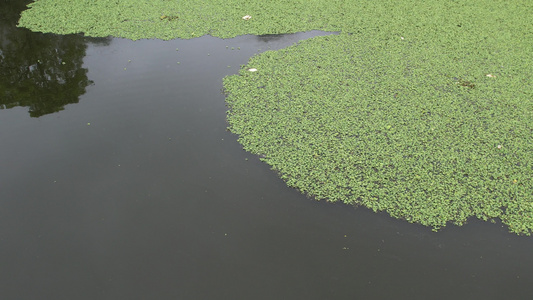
(422, 109)
(392, 126)
(164, 19)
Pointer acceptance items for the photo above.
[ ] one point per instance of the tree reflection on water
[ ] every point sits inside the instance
(43, 72)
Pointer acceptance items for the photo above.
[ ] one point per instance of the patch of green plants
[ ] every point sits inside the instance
(421, 109)
(390, 123)
(138, 19)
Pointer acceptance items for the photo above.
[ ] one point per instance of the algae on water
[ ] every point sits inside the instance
(422, 109)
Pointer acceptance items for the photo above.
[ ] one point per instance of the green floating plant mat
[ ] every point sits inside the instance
(397, 125)
(422, 109)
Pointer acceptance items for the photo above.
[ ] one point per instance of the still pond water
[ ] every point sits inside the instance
(118, 180)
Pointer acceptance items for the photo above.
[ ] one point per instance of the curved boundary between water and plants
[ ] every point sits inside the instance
(421, 109)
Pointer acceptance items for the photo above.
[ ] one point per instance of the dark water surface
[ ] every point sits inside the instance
(139, 192)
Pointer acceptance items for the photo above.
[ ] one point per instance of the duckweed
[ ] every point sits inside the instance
(389, 125)
(421, 109)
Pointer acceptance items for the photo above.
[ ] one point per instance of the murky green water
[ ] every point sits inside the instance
(118, 180)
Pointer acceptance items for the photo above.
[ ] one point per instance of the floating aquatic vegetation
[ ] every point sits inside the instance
(382, 124)
(420, 109)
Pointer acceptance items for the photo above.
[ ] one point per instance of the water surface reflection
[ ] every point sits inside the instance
(43, 72)
(139, 192)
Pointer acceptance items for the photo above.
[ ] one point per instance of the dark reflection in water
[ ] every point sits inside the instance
(139, 192)
(43, 72)
(270, 37)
